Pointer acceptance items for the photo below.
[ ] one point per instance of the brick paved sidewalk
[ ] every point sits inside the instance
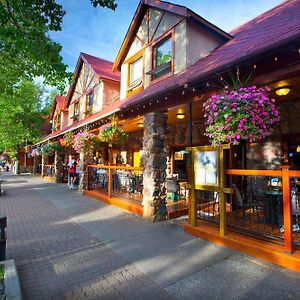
(57, 259)
(68, 246)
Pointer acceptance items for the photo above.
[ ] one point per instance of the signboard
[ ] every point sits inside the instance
(206, 167)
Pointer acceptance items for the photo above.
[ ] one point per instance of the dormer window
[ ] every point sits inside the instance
(162, 57)
(135, 73)
(89, 103)
(76, 112)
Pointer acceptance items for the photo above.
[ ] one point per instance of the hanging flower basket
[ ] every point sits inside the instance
(83, 141)
(36, 152)
(244, 114)
(67, 140)
(112, 134)
(50, 148)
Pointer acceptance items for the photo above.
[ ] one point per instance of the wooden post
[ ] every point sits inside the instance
(192, 204)
(109, 182)
(287, 211)
(222, 202)
(87, 177)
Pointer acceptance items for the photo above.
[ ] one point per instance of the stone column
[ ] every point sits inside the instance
(45, 160)
(154, 160)
(58, 166)
(86, 158)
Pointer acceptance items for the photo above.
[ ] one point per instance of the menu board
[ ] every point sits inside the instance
(206, 167)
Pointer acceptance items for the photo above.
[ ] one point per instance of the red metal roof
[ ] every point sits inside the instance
(113, 107)
(60, 101)
(269, 30)
(162, 5)
(102, 67)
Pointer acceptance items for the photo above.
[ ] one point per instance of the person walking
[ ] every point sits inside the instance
(70, 163)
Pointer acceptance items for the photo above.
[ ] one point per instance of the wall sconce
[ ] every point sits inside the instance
(180, 115)
(298, 149)
(140, 124)
(282, 91)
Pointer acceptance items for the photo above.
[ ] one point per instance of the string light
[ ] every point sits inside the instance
(207, 84)
(183, 92)
(194, 90)
(254, 66)
(166, 98)
(275, 58)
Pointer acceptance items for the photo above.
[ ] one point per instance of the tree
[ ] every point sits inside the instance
(20, 116)
(26, 50)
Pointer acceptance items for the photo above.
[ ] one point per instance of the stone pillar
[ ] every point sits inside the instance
(86, 158)
(154, 161)
(45, 160)
(58, 166)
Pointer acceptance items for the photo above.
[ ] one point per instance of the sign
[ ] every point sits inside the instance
(206, 167)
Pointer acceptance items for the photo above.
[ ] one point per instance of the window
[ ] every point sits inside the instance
(162, 58)
(135, 73)
(76, 112)
(89, 103)
(58, 124)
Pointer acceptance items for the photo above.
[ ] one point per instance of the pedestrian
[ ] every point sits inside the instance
(69, 165)
(78, 171)
(72, 172)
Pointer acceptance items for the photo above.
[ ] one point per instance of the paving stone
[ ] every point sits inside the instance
(58, 259)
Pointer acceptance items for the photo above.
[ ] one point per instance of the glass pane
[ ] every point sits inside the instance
(90, 100)
(163, 53)
(136, 70)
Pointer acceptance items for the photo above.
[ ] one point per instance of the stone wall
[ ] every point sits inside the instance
(45, 160)
(154, 160)
(86, 158)
(58, 165)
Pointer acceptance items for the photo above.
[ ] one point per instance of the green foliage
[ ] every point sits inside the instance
(111, 4)
(20, 119)
(50, 148)
(26, 51)
(2, 273)
(112, 134)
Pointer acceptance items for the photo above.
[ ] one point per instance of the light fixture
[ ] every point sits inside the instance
(180, 115)
(282, 91)
(298, 149)
(140, 124)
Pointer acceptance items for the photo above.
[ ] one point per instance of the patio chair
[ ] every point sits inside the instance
(173, 187)
(254, 205)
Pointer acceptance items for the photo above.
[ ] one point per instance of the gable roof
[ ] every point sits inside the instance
(58, 101)
(162, 5)
(102, 69)
(267, 32)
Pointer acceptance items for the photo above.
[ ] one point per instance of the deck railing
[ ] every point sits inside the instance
(265, 203)
(49, 171)
(116, 181)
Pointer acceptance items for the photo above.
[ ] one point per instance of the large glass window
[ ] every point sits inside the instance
(136, 71)
(162, 58)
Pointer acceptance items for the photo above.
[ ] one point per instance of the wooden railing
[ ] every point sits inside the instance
(119, 181)
(286, 175)
(49, 171)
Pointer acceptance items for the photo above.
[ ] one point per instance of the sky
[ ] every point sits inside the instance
(100, 31)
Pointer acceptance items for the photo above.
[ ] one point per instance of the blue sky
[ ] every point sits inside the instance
(100, 32)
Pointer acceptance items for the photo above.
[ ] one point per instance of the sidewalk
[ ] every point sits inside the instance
(68, 246)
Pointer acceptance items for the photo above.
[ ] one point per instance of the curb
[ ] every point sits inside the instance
(11, 281)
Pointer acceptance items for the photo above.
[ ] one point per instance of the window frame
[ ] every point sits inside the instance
(168, 35)
(76, 117)
(132, 88)
(88, 108)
